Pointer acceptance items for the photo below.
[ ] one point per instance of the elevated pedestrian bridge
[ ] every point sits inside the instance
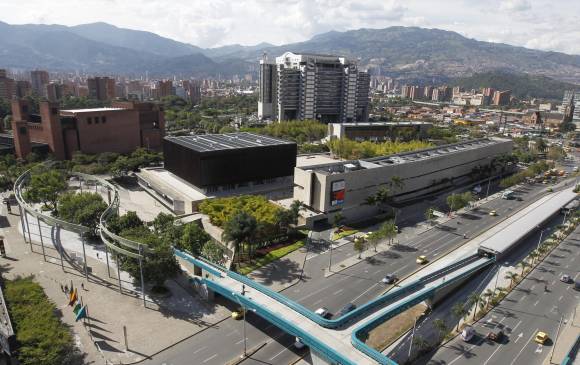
(339, 340)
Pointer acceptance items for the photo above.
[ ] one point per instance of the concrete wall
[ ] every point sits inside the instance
(419, 177)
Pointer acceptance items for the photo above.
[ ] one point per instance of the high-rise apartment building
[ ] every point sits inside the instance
(7, 86)
(192, 90)
(571, 107)
(101, 88)
(23, 88)
(330, 89)
(39, 79)
(502, 97)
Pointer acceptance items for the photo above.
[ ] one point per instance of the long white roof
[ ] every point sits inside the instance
(506, 234)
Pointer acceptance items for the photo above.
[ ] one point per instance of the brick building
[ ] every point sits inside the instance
(122, 128)
(7, 86)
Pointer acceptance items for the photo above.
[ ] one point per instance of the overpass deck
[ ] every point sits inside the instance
(504, 236)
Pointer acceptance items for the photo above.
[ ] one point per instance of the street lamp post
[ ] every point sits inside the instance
(245, 354)
(541, 234)
(412, 338)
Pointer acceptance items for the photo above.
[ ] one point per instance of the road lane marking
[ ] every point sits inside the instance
(209, 358)
(539, 349)
(317, 302)
(363, 293)
(240, 341)
(278, 354)
(536, 303)
(200, 349)
(560, 299)
(522, 350)
(338, 291)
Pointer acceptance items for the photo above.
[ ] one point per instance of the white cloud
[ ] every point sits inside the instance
(544, 24)
(515, 5)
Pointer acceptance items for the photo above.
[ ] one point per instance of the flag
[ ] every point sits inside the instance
(77, 308)
(73, 297)
(82, 313)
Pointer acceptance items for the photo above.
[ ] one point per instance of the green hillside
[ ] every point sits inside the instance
(523, 86)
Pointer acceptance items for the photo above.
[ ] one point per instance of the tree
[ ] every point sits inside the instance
(473, 300)
(213, 252)
(458, 311)
(429, 214)
(128, 221)
(45, 188)
(194, 238)
(373, 239)
(512, 276)
(82, 208)
(488, 294)
(163, 222)
(389, 230)
(337, 220)
(441, 328)
(240, 229)
(397, 182)
(359, 245)
(420, 343)
(523, 265)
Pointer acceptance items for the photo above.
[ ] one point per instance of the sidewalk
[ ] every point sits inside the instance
(163, 323)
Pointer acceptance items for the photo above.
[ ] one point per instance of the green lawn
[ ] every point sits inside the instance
(337, 236)
(269, 257)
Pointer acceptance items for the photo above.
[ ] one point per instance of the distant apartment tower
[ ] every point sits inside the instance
(428, 92)
(163, 88)
(416, 93)
(488, 91)
(501, 97)
(7, 86)
(38, 80)
(101, 88)
(23, 88)
(406, 91)
(192, 90)
(571, 107)
(327, 88)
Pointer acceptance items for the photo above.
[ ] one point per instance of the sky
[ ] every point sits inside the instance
(539, 24)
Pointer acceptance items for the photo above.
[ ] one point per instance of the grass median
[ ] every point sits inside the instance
(269, 257)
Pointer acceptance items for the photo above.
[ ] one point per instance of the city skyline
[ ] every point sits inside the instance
(536, 24)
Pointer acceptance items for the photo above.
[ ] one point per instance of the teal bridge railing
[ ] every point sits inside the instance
(414, 293)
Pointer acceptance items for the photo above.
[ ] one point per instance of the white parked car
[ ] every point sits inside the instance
(323, 312)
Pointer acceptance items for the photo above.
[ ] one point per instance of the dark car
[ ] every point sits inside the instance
(346, 309)
(495, 335)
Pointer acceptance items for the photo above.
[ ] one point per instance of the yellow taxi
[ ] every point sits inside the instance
(493, 213)
(238, 314)
(422, 260)
(541, 337)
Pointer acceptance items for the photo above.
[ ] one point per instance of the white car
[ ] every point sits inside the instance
(467, 333)
(323, 312)
(565, 278)
(299, 344)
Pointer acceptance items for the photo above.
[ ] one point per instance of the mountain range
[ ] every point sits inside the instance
(410, 54)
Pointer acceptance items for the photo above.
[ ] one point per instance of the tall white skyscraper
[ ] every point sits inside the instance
(330, 89)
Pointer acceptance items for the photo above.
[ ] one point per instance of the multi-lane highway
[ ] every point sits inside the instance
(525, 311)
(356, 284)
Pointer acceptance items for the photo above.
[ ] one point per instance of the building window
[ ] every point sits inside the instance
(89, 120)
(96, 120)
(54, 111)
(22, 130)
(104, 119)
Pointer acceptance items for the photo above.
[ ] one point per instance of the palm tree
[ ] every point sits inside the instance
(487, 295)
(441, 327)
(523, 265)
(458, 311)
(240, 229)
(474, 299)
(512, 276)
(533, 255)
(420, 343)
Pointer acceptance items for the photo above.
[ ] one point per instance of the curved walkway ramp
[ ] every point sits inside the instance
(337, 340)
